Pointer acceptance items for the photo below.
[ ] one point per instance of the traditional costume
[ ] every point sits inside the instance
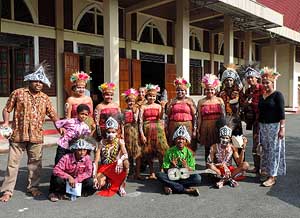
(181, 112)
(111, 160)
(271, 112)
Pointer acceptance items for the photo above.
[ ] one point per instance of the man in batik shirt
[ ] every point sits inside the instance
(30, 106)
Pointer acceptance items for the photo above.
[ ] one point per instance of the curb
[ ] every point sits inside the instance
(5, 150)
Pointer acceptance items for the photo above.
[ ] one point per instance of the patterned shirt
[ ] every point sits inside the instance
(69, 166)
(175, 153)
(29, 115)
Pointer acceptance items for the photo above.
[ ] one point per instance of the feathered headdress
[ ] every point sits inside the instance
(181, 82)
(39, 74)
(130, 93)
(181, 131)
(269, 74)
(80, 76)
(210, 81)
(152, 88)
(107, 87)
(251, 69)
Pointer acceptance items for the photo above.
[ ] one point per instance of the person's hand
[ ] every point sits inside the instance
(62, 131)
(174, 162)
(245, 140)
(119, 166)
(281, 133)
(144, 139)
(71, 181)
(194, 134)
(163, 104)
(96, 183)
(184, 164)
(5, 124)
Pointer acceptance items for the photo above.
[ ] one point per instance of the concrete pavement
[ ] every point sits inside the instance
(145, 198)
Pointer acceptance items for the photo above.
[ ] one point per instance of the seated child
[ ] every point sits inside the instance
(114, 165)
(74, 129)
(220, 159)
(75, 167)
(180, 156)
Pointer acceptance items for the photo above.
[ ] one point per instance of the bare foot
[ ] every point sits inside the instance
(5, 197)
(167, 190)
(152, 176)
(35, 192)
(122, 192)
(220, 184)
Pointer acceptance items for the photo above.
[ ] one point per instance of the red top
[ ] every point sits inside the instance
(151, 114)
(128, 116)
(211, 111)
(181, 112)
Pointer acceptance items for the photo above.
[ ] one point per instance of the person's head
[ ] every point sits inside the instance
(82, 147)
(38, 78)
(111, 126)
(225, 135)
(181, 86)
(107, 90)
(252, 75)
(152, 92)
(130, 96)
(142, 93)
(210, 83)
(83, 112)
(181, 137)
(79, 80)
(229, 82)
(269, 76)
(230, 77)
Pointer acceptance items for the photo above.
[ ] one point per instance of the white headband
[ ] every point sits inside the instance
(111, 123)
(182, 132)
(225, 131)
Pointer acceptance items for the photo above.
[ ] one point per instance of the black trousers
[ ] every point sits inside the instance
(58, 186)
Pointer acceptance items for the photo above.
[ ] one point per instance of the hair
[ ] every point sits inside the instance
(83, 107)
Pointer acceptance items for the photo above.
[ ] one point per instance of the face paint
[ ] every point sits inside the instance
(224, 140)
(111, 135)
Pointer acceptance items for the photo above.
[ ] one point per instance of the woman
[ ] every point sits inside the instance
(79, 79)
(107, 108)
(271, 128)
(131, 130)
(181, 111)
(209, 109)
(152, 129)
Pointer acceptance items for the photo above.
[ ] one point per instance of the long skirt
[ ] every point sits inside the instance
(173, 125)
(156, 144)
(132, 143)
(273, 150)
(208, 133)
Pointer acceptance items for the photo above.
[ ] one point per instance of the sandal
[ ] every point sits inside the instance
(5, 197)
(168, 190)
(220, 184)
(122, 192)
(233, 183)
(53, 197)
(34, 192)
(270, 182)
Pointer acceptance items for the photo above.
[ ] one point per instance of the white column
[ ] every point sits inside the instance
(75, 47)
(293, 80)
(128, 36)
(212, 52)
(228, 40)
(182, 50)
(36, 50)
(59, 12)
(111, 44)
(248, 47)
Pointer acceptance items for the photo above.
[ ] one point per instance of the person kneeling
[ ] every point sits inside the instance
(73, 168)
(178, 165)
(114, 164)
(220, 159)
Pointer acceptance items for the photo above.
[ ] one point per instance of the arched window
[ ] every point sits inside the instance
(92, 22)
(22, 12)
(151, 34)
(194, 42)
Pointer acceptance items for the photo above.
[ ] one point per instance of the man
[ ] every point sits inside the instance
(250, 109)
(220, 159)
(30, 106)
(180, 156)
(231, 94)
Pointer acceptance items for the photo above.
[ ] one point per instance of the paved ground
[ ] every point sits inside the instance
(145, 199)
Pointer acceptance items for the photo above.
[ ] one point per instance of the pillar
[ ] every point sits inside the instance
(248, 47)
(228, 40)
(128, 36)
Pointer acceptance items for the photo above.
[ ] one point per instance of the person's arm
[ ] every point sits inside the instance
(121, 157)
(10, 105)
(239, 158)
(141, 123)
(199, 118)
(68, 108)
(97, 112)
(210, 164)
(189, 162)
(193, 109)
(88, 172)
(98, 155)
(60, 168)
(280, 103)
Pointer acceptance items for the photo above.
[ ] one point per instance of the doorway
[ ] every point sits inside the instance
(97, 69)
(154, 73)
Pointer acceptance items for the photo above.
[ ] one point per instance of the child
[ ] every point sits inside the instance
(76, 167)
(220, 159)
(114, 165)
(131, 132)
(74, 129)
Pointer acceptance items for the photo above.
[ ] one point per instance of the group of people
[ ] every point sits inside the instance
(147, 129)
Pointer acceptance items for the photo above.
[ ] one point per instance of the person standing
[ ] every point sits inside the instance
(271, 129)
(30, 106)
(250, 109)
(209, 110)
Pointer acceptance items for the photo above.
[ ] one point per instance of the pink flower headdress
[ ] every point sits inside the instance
(182, 83)
(107, 87)
(269, 74)
(210, 81)
(80, 76)
(130, 93)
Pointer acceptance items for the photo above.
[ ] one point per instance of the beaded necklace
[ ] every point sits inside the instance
(110, 151)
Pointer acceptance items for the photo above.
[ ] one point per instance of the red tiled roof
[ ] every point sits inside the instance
(289, 8)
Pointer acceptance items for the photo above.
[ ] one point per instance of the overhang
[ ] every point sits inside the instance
(286, 33)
